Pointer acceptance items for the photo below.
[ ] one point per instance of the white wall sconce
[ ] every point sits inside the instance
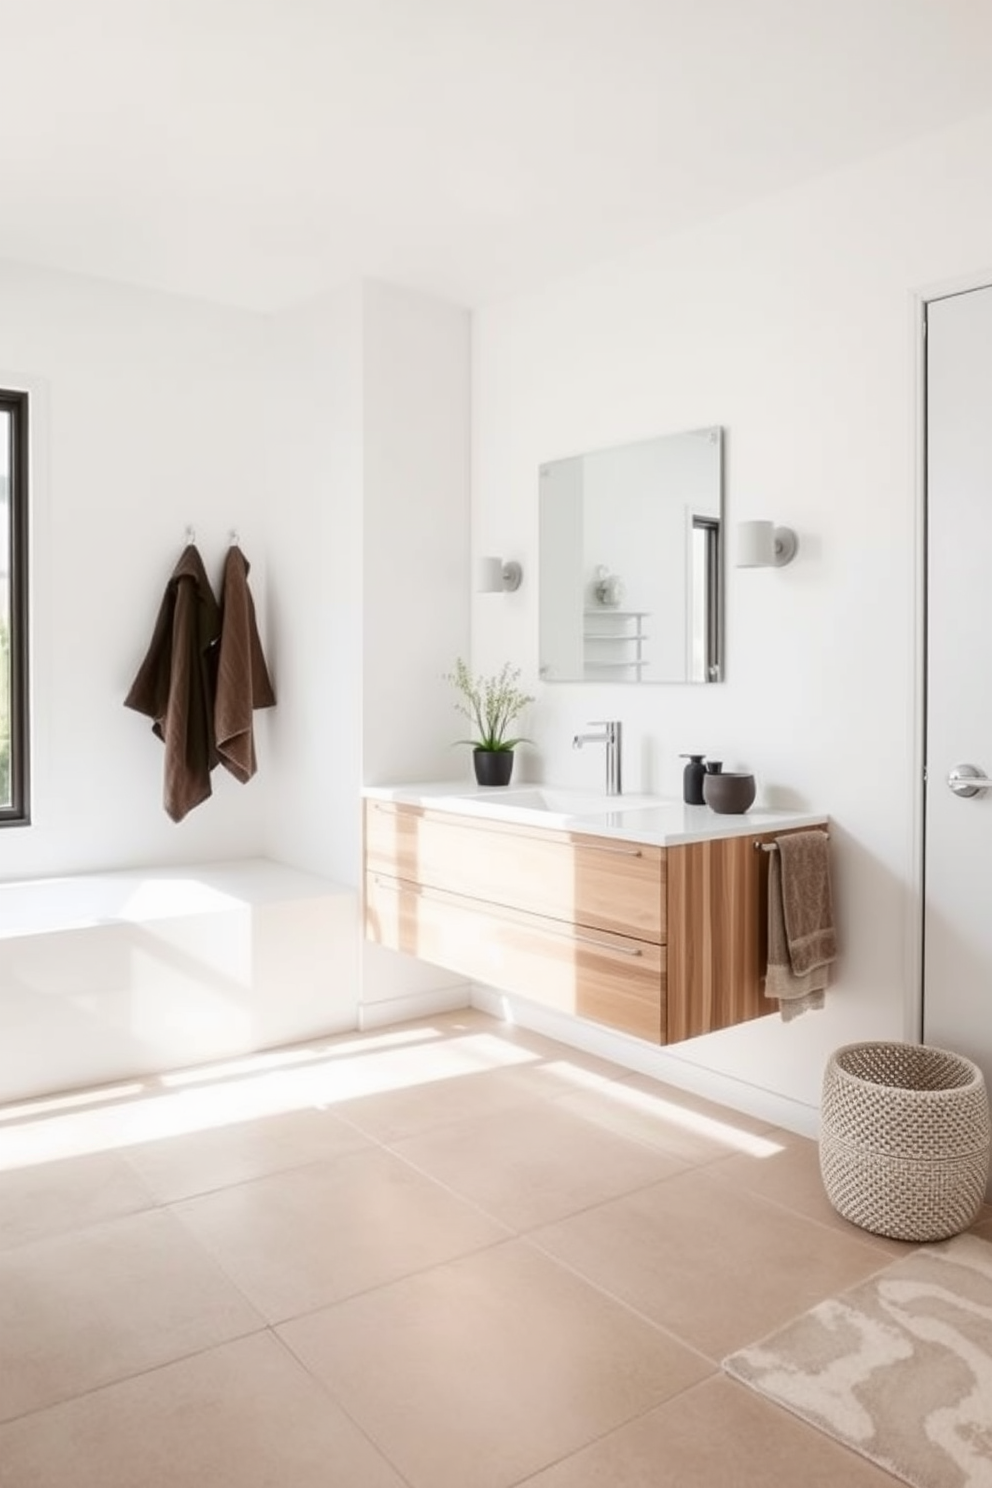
(763, 545)
(493, 576)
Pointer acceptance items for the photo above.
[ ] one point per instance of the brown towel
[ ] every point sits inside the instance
(801, 938)
(806, 899)
(242, 677)
(174, 684)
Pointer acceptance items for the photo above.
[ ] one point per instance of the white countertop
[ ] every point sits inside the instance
(636, 818)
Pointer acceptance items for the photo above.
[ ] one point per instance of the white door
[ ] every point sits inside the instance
(957, 960)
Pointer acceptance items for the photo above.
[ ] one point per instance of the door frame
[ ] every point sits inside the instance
(920, 299)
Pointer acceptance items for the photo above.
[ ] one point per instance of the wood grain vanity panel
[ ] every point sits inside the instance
(620, 886)
(576, 877)
(718, 939)
(663, 943)
(611, 979)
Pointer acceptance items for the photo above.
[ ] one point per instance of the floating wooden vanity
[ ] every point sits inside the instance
(606, 917)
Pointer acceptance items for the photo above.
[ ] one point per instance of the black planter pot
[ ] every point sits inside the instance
(493, 766)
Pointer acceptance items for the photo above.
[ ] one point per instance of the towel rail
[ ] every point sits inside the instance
(773, 846)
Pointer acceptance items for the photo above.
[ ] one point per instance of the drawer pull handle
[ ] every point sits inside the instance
(607, 945)
(623, 852)
(564, 932)
(406, 886)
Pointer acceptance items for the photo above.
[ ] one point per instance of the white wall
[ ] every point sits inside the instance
(417, 411)
(334, 438)
(416, 471)
(367, 433)
(145, 412)
(311, 422)
(792, 325)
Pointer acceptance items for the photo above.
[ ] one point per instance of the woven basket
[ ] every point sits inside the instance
(904, 1139)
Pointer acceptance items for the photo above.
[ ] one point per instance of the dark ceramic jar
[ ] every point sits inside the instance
(728, 793)
(692, 779)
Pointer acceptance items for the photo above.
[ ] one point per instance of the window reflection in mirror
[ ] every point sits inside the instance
(631, 562)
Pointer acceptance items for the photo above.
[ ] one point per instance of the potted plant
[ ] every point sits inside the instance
(490, 704)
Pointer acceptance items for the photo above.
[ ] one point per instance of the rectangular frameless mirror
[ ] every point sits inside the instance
(631, 562)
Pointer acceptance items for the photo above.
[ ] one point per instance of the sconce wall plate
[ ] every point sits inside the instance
(763, 545)
(493, 576)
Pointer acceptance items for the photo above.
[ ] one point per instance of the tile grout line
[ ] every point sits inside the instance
(122, 1379)
(325, 1389)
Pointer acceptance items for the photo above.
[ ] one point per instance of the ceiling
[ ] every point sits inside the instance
(258, 152)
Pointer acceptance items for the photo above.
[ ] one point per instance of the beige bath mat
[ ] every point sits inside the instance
(898, 1368)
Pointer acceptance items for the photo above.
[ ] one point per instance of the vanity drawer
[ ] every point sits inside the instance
(600, 882)
(612, 979)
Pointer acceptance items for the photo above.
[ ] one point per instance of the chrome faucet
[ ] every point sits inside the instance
(611, 736)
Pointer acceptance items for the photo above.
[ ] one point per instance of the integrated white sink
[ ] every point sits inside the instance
(662, 821)
(562, 802)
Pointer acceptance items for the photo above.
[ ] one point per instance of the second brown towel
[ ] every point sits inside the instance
(243, 682)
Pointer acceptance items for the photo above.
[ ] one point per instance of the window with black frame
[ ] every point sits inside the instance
(704, 601)
(14, 734)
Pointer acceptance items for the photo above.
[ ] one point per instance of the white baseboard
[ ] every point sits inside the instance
(646, 1059)
(388, 1010)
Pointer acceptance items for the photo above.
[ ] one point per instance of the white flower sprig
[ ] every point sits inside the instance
(490, 704)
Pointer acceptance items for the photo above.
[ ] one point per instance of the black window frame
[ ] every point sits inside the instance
(18, 814)
(711, 527)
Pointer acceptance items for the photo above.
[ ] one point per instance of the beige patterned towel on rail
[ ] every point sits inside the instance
(802, 941)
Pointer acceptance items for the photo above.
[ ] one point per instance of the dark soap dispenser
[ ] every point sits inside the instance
(692, 779)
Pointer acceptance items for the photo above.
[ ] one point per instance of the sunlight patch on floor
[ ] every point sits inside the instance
(270, 1059)
(671, 1113)
(242, 1090)
(323, 1075)
(50, 1105)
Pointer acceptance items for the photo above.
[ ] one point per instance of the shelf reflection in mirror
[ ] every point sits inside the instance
(631, 562)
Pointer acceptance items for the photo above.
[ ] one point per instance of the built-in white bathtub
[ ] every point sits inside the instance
(108, 975)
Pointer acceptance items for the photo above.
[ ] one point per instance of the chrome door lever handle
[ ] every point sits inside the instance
(968, 780)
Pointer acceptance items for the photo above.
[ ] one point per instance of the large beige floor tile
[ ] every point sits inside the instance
(93, 1306)
(537, 1047)
(730, 1122)
(790, 1175)
(480, 1069)
(717, 1435)
(534, 1164)
(490, 1367)
(178, 1167)
(718, 1266)
(687, 1128)
(356, 1067)
(50, 1198)
(394, 1114)
(245, 1415)
(561, 1066)
(296, 1241)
